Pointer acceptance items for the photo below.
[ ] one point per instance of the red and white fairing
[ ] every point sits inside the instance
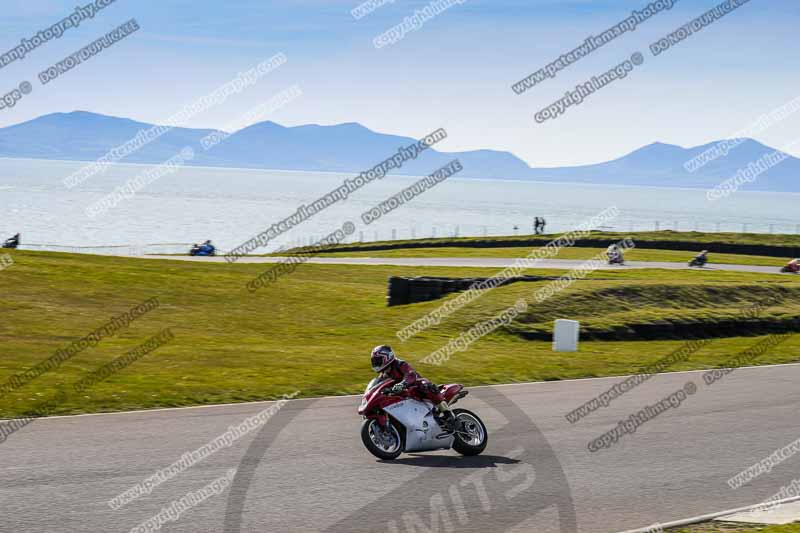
(415, 414)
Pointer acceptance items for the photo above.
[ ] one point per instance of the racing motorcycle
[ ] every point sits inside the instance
(617, 259)
(405, 422)
(203, 250)
(699, 260)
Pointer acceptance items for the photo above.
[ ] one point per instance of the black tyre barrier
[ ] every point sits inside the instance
(403, 291)
(665, 330)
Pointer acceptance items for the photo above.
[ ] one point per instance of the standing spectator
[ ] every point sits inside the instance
(542, 224)
(536, 225)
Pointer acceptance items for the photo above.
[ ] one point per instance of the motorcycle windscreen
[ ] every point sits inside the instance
(374, 383)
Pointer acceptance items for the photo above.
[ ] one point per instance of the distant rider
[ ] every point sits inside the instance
(702, 257)
(386, 362)
(207, 248)
(13, 242)
(614, 254)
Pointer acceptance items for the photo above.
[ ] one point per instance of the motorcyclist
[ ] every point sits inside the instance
(385, 362)
(793, 265)
(208, 248)
(614, 254)
(702, 257)
(204, 249)
(12, 242)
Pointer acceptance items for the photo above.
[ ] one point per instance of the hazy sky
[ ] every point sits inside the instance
(455, 71)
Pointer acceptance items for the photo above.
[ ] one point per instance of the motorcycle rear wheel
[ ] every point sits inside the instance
(476, 438)
(370, 438)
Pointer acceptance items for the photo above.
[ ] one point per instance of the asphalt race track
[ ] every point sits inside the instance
(489, 262)
(307, 470)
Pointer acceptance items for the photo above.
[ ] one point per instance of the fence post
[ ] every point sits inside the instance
(718, 227)
(772, 228)
(485, 231)
(658, 225)
(744, 227)
(433, 232)
(456, 232)
(413, 232)
(360, 236)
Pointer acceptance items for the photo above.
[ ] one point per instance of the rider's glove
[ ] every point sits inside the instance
(399, 387)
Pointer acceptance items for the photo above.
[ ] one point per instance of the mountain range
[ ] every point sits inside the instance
(351, 147)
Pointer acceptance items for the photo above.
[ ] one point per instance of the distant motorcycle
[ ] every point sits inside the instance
(698, 262)
(11, 243)
(204, 250)
(792, 268)
(616, 259)
(404, 422)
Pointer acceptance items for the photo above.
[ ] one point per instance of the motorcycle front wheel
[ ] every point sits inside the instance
(471, 436)
(384, 443)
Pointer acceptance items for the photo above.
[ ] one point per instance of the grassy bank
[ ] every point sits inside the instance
(637, 254)
(666, 307)
(684, 243)
(311, 331)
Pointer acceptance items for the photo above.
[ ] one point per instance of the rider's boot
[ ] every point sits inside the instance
(446, 416)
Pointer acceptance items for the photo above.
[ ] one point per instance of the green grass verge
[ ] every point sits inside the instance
(643, 236)
(767, 245)
(659, 308)
(730, 527)
(637, 254)
(311, 331)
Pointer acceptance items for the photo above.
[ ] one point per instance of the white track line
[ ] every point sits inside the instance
(522, 383)
(707, 517)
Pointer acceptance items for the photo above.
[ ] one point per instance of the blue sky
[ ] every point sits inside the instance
(454, 72)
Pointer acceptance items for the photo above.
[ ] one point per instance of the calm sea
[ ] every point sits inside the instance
(229, 206)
